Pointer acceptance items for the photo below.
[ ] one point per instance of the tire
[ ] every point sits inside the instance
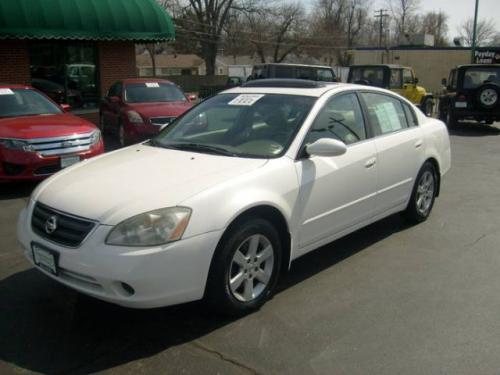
(423, 194)
(488, 96)
(102, 125)
(451, 119)
(253, 283)
(122, 139)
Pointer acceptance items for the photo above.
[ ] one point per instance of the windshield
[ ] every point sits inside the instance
(475, 77)
(373, 76)
(147, 92)
(246, 125)
(22, 102)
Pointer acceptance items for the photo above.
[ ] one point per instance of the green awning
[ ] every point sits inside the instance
(135, 20)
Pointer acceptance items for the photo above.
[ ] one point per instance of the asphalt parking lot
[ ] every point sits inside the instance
(390, 298)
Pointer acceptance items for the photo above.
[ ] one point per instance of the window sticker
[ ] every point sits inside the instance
(6, 92)
(152, 84)
(246, 99)
(387, 117)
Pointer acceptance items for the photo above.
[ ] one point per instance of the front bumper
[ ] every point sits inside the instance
(18, 165)
(160, 276)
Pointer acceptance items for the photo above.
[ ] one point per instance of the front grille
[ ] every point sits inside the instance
(61, 145)
(160, 121)
(70, 230)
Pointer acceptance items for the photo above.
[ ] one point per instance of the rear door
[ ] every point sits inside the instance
(400, 148)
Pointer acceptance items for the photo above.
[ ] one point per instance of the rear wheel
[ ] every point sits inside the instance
(451, 119)
(423, 194)
(245, 267)
(121, 136)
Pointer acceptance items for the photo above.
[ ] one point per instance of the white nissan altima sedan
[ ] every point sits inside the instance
(227, 196)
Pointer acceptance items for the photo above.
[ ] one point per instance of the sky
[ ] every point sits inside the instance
(458, 10)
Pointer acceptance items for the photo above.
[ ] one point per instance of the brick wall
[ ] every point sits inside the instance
(116, 61)
(14, 60)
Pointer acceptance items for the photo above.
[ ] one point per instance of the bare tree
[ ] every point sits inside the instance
(404, 16)
(436, 24)
(485, 33)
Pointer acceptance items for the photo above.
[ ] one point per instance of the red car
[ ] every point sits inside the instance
(136, 109)
(37, 138)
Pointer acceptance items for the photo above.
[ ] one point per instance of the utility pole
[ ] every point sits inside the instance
(381, 14)
(474, 32)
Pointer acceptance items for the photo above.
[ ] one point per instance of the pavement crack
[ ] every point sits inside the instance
(477, 240)
(223, 357)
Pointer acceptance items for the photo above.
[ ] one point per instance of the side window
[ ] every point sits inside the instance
(408, 76)
(325, 75)
(395, 82)
(341, 118)
(411, 117)
(386, 114)
(304, 73)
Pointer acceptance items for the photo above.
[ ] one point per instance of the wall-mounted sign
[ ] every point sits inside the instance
(487, 56)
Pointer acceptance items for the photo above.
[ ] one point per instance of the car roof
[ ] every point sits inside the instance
(290, 64)
(392, 66)
(478, 66)
(309, 91)
(144, 80)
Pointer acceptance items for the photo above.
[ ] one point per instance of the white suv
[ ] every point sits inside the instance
(228, 195)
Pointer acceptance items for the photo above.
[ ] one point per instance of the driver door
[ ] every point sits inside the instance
(337, 193)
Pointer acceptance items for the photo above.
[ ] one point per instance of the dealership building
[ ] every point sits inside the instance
(75, 49)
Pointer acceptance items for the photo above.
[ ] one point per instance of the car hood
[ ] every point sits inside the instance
(43, 126)
(137, 179)
(149, 110)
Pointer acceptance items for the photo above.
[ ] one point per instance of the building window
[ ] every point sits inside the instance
(66, 72)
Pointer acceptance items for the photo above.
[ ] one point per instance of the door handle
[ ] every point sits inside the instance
(370, 162)
(418, 143)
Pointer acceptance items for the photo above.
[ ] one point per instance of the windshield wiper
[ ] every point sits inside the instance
(200, 147)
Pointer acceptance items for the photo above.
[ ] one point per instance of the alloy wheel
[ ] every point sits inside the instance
(251, 268)
(425, 193)
(488, 97)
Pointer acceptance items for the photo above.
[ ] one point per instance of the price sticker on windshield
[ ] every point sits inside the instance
(246, 99)
(6, 92)
(152, 84)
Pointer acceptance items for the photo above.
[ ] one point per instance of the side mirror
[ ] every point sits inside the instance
(444, 82)
(114, 99)
(65, 107)
(326, 147)
(416, 80)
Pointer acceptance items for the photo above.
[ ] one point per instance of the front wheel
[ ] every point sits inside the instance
(423, 194)
(245, 267)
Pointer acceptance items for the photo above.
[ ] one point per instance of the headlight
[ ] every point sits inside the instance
(16, 144)
(134, 117)
(151, 228)
(95, 137)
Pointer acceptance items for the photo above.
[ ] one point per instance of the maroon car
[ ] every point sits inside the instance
(136, 109)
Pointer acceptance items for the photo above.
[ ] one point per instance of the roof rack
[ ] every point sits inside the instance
(288, 83)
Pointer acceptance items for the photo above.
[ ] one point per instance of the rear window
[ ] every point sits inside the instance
(283, 71)
(148, 92)
(476, 76)
(373, 76)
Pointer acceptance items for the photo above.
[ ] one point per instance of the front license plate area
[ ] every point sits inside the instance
(45, 258)
(66, 161)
